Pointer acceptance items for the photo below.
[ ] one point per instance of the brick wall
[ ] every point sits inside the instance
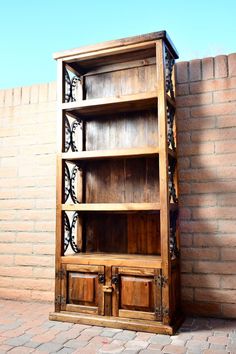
(206, 114)
(27, 192)
(206, 103)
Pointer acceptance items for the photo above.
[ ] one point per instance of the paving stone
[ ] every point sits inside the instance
(110, 348)
(66, 350)
(223, 340)
(160, 339)
(131, 351)
(214, 351)
(217, 346)
(141, 344)
(125, 335)
(156, 346)
(109, 332)
(197, 344)
(143, 336)
(18, 341)
(174, 349)
(49, 347)
(73, 343)
(21, 350)
(150, 351)
(179, 342)
(31, 344)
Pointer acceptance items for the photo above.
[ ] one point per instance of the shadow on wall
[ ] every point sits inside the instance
(206, 121)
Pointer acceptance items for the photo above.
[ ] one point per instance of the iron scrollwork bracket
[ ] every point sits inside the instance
(171, 172)
(70, 178)
(70, 87)
(70, 131)
(69, 238)
(170, 123)
(174, 251)
(169, 64)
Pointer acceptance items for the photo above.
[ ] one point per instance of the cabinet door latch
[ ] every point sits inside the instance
(115, 279)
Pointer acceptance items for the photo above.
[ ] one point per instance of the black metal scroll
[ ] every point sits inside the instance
(70, 130)
(70, 87)
(171, 172)
(170, 124)
(169, 64)
(70, 178)
(69, 238)
(174, 251)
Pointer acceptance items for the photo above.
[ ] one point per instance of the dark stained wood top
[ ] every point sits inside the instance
(120, 43)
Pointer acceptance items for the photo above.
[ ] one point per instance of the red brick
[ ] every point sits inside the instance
(196, 124)
(225, 96)
(221, 66)
(34, 284)
(2, 98)
(16, 294)
(194, 100)
(187, 294)
(196, 149)
(217, 240)
(19, 248)
(183, 163)
(214, 109)
(182, 113)
(184, 188)
(227, 226)
(227, 199)
(213, 213)
(226, 121)
(201, 280)
(182, 72)
(52, 91)
(25, 99)
(182, 89)
(185, 213)
(213, 85)
(43, 272)
(34, 94)
(213, 187)
(16, 271)
(197, 175)
(229, 310)
(198, 226)
(228, 254)
(46, 261)
(214, 135)
(34, 236)
(195, 70)
(222, 147)
(203, 161)
(232, 64)
(8, 97)
(186, 266)
(43, 92)
(207, 68)
(202, 308)
(198, 200)
(200, 253)
(228, 281)
(215, 267)
(186, 240)
(44, 249)
(17, 96)
(225, 296)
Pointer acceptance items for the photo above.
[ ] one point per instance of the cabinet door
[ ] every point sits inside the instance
(82, 288)
(136, 293)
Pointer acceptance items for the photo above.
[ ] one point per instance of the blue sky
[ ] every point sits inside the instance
(31, 30)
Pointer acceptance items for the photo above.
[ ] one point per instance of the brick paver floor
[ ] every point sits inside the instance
(25, 328)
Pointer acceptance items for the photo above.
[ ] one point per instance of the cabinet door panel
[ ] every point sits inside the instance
(136, 293)
(82, 289)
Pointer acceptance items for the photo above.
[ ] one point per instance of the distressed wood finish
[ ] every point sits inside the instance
(115, 218)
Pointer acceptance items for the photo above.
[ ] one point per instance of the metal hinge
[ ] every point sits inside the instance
(161, 280)
(161, 311)
(115, 279)
(60, 300)
(101, 278)
(60, 274)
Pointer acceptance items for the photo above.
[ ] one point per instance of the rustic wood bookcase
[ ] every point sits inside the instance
(117, 243)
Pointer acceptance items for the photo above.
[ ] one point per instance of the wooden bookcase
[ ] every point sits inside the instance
(117, 243)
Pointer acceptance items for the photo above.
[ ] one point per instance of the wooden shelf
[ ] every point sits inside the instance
(115, 259)
(120, 207)
(118, 153)
(108, 105)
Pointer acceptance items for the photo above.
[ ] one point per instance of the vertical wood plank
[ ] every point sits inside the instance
(59, 180)
(163, 173)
